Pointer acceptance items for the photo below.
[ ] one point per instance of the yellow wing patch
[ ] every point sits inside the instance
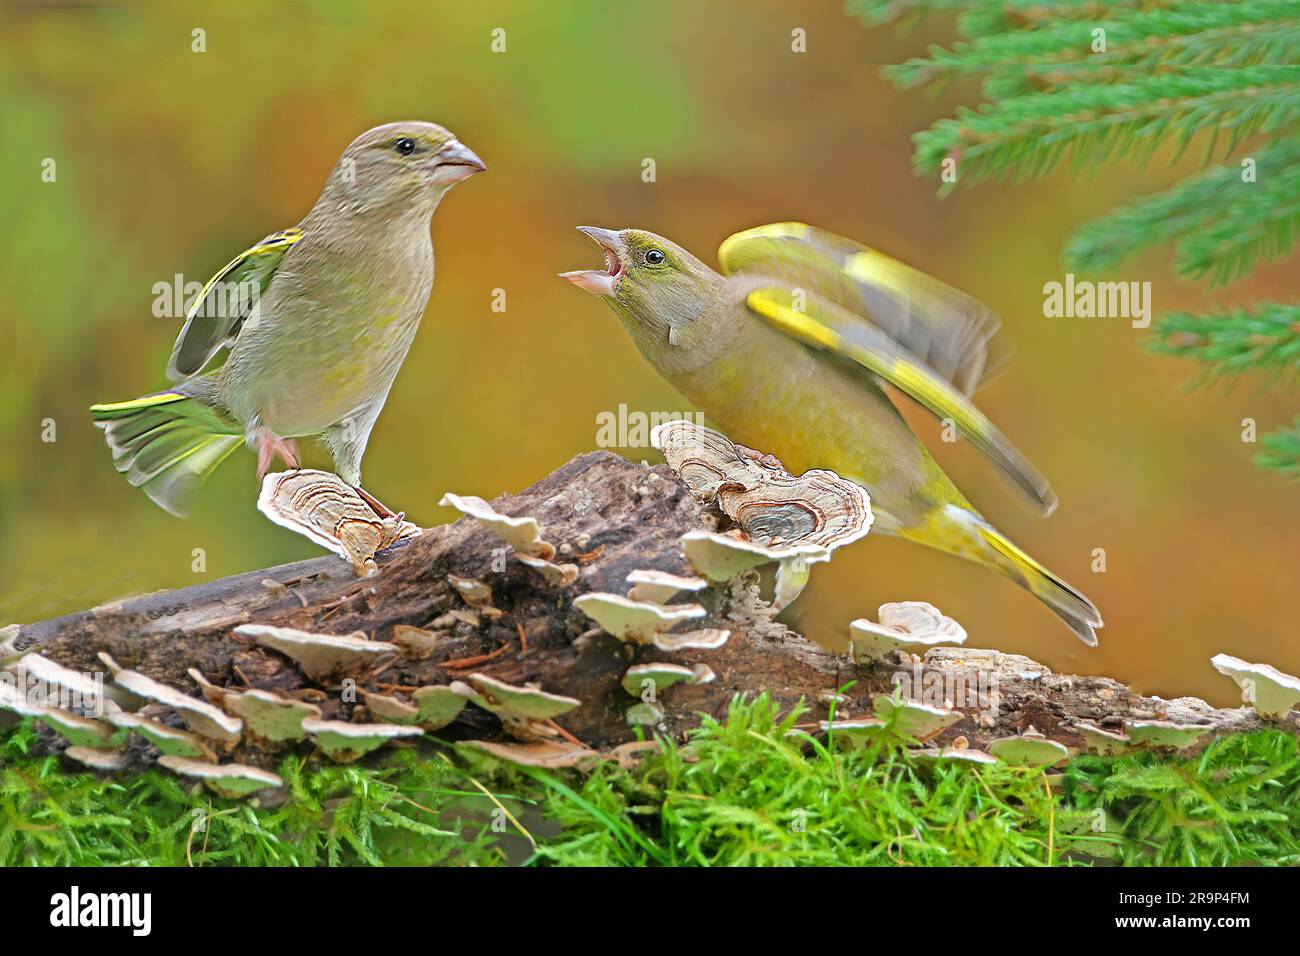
(276, 242)
(816, 325)
(162, 398)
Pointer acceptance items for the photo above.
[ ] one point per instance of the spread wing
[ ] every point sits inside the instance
(214, 318)
(822, 323)
(944, 327)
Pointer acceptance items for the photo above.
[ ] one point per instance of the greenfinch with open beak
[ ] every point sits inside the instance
(786, 349)
(316, 319)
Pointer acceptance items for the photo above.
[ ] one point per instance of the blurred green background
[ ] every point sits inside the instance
(170, 161)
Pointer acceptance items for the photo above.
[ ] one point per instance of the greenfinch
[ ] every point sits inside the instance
(786, 349)
(313, 348)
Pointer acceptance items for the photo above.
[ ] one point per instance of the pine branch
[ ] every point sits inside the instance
(1282, 451)
(1026, 136)
(1264, 217)
(1199, 33)
(1263, 223)
(1229, 343)
(879, 12)
(982, 19)
(977, 17)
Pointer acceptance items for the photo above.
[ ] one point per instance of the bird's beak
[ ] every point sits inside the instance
(598, 281)
(455, 162)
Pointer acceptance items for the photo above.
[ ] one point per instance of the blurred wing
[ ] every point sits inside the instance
(823, 324)
(214, 318)
(945, 328)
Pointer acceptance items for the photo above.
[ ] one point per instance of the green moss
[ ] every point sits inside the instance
(750, 790)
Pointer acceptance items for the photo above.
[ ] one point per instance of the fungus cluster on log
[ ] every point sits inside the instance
(642, 608)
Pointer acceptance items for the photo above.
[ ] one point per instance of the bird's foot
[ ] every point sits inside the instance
(269, 446)
(379, 507)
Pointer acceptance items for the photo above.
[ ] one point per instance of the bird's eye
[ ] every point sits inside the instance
(405, 146)
(654, 257)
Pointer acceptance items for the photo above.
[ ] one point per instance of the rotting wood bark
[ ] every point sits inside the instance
(610, 517)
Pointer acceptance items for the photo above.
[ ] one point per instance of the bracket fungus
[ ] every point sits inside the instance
(634, 622)
(1028, 750)
(82, 687)
(108, 761)
(476, 594)
(1103, 742)
(1165, 734)
(345, 742)
(8, 638)
(556, 575)
(169, 740)
(437, 706)
(903, 625)
(543, 754)
(522, 534)
(76, 730)
(200, 716)
(705, 639)
(855, 731)
(647, 713)
(662, 675)
(796, 521)
(433, 707)
(323, 507)
(954, 754)
(321, 656)
(660, 587)
(704, 459)
(912, 719)
(415, 643)
(233, 780)
(721, 557)
(1271, 692)
(269, 716)
(213, 693)
(390, 709)
(523, 711)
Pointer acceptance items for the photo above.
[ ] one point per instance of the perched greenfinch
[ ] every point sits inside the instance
(786, 350)
(314, 349)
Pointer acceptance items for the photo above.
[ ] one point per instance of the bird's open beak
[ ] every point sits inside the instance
(598, 281)
(455, 162)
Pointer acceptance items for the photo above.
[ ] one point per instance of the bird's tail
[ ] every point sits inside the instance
(967, 534)
(166, 444)
(1079, 614)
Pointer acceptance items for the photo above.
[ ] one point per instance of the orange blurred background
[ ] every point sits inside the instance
(170, 161)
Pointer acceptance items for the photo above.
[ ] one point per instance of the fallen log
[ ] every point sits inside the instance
(608, 517)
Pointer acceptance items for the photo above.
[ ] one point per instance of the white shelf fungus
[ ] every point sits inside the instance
(904, 625)
(660, 587)
(522, 534)
(231, 780)
(636, 622)
(544, 754)
(321, 656)
(1028, 750)
(912, 719)
(201, 717)
(1165, 734)
(345, 742)
(169, 740)
(662, 675)
(796, 521)
(1271, 692)
(323, 507)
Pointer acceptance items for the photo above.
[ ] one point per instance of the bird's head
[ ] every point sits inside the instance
(652, 283)
(402, 163)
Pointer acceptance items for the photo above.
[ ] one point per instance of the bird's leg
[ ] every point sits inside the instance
(270, 445)
(379, 507)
